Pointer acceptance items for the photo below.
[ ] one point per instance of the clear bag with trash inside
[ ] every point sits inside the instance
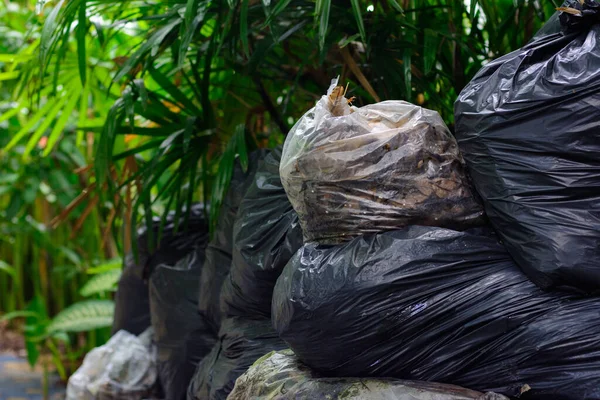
(124, 368)
(349, 171)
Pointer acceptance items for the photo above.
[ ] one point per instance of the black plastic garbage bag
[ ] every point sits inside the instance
(241, 343)
(266, 235)
(527, 125)
(183, 336)
(218, 252)
(279, 375)
(132, 309)
(434, 304)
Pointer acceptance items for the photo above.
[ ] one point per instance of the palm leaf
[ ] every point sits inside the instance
(83, 316)
(100, 283)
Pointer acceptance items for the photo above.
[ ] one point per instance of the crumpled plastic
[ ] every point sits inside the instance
(434, 304)
(132, 307)
(280, 376)
(527, 125)
(350, 171)
(241, 343)
(122, 369)
(218, 252)
(183, 336)
(266, 235)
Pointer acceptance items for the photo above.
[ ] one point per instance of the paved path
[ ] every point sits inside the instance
(19, 382)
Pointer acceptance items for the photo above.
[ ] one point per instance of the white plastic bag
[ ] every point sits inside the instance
(124, 369)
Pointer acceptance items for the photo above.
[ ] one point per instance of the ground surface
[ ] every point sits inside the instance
(17, 380)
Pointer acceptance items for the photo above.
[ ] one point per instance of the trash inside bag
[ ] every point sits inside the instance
(433, 304)
(241, 343)
(132, 307)
(123, 369)
(218, 252)
(350, 171)
(280, 376)
(527, 125)
(183, 336)
(266, 236)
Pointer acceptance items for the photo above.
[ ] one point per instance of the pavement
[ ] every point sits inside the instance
(18, 381)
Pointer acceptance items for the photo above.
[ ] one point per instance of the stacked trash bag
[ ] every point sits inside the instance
(395, 259)
(438, 294)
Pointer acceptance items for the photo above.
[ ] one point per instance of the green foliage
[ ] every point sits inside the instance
(203, 68)
(115, 111)
(101, 283)
(83, 316)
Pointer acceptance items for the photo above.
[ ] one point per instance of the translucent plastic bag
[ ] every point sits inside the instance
(123, 369)
(279, 376)
(349, 171)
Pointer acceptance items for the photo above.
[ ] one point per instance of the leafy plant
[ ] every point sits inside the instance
(114, 112)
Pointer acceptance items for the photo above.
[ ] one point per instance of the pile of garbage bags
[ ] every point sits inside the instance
(132, 311)
(279, 376)
(393, 259)
(453, 300)
(265, 235)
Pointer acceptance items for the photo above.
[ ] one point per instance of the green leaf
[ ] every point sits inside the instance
(173, 91)
(430, 45)
(39, 132)
(32, 121)
(472, 9)
(81, 32)
(151, 44)
(359, 19)
(106, 141)
(396, 6)
(18, 314)
(35, 326)
(278, 9)
(99, 32)
(14, 58)
(84, 316)
(7, 76)
(4, 266)
(153, 144)
(244, 27)
(193, 17)
(142, 92)
(111, 265)
(60, 124)
(225, 171)
(347, 40)
(100, 283)
(48, 33)
(9, 114)
(323, 7)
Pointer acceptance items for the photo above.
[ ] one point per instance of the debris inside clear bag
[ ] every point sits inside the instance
(350, 171)
(124, 368)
